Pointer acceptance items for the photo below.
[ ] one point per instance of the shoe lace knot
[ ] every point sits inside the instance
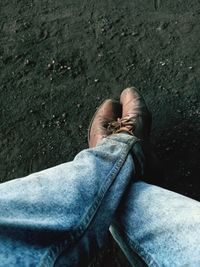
(126, 124)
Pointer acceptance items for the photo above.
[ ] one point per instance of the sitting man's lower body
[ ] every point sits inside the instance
(62, 216)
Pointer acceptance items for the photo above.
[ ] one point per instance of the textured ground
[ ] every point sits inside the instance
(60, 59)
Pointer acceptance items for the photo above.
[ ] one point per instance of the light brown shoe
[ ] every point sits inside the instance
(136, 118)
(106, 114)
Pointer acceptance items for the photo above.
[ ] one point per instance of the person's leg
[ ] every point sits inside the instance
(45, 215)
(160, 226)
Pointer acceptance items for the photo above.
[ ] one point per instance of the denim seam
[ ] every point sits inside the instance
(146, 256)
(56, 249)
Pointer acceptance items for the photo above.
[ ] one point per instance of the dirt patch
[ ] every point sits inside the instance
(60, 59)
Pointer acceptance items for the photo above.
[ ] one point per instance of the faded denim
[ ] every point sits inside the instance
(161, 226)
(61, 216)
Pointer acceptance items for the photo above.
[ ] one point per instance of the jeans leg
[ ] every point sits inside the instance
(160, 226)
(61, 216)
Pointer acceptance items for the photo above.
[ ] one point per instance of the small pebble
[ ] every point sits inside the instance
(162, 63)
(134, 33)
(58, 123)
(27, 61)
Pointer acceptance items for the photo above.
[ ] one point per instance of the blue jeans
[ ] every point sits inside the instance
(61, 216)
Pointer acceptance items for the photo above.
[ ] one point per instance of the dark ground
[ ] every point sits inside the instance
(60, 59)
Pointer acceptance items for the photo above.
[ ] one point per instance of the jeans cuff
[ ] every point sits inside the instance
(137, 151)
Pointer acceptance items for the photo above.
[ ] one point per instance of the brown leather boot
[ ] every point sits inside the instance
(136, 118)
(107, 113)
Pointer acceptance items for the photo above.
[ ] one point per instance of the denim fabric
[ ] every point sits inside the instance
(61, 216)
(162, 227)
